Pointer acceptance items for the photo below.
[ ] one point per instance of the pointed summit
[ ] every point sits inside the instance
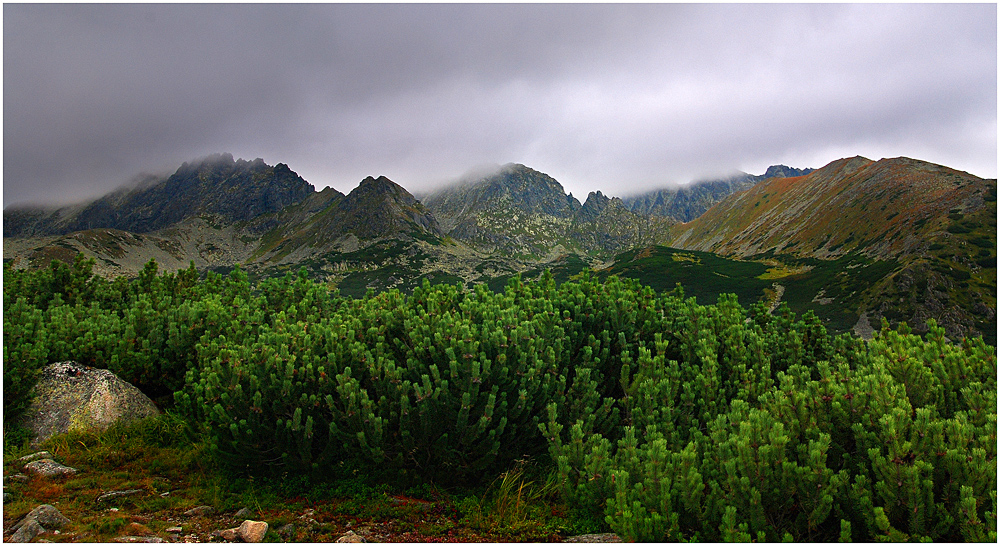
(379, 206)
(595, 204)
(514, 188)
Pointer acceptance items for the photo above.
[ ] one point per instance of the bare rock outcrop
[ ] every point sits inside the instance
(43, 518)
(70, 396)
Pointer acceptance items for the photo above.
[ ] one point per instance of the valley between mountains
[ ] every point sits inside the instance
(855, 242)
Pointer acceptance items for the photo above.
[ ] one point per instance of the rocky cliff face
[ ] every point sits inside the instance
(379, 206)
(513, 188)
(522, 212)
(515, 210)
(605, 225)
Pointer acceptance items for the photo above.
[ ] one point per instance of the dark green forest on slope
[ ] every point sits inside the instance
(661, 416)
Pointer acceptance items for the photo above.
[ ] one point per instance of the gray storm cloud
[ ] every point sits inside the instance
(619, 98)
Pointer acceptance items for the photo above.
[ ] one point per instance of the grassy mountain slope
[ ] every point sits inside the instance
(882, 209)
(936, 227)
(832, 289)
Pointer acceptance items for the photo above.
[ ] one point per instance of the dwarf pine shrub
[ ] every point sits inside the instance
(665, 418)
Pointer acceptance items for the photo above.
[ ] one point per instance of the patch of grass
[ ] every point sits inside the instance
(515, 505)
(658, 268)
(782, 270)
(843, 281)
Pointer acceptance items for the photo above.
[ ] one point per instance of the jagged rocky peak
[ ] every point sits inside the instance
(512, 186)
(531, 191)
(372, 187)
(595, 204)
(218, 185)
(784, 171)
(379, 206)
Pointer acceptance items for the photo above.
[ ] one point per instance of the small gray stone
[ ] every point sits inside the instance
(287, 530)
(200, 511)
(174, 529)
(244, 513)
(226, 534)
(19, 478)
(595, 538)
(131, 539)
(7, 497)
(118, 494)
(47, 468)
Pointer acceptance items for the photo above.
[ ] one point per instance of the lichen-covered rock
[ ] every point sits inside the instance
(36, 522)
(595, 538)
(47, 468)
(111, 495)
(34, 457)
(27, 532)
(229, 535)
(70, 396)
(287, 531)
(49, 516)
(244, 513)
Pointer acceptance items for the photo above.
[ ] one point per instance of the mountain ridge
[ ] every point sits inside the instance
(215, 185)
(829, 212)
(686, 203)
(933, 227)
(919, 235)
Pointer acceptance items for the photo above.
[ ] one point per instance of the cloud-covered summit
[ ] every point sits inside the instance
(620, 98)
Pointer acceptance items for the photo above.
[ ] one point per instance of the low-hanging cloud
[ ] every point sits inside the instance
(619, 98)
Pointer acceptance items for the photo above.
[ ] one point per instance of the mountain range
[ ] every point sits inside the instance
(899, 238)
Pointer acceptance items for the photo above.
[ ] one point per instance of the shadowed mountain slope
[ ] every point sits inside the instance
(231, 190)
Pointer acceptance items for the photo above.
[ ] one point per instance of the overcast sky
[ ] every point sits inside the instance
(619, 98)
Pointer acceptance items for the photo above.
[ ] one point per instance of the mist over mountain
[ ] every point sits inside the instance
(234, 191)
(512, 186)
(686, 203)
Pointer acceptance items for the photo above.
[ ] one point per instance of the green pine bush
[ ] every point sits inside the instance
(665, 418)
